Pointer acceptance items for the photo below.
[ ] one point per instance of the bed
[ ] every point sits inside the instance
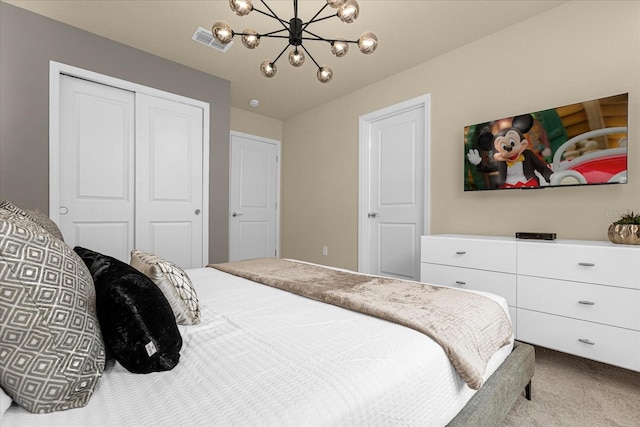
(265, 356)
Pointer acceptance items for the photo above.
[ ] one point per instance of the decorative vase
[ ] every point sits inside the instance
(626, 234)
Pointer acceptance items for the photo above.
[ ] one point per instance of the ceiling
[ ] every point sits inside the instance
(409, 33)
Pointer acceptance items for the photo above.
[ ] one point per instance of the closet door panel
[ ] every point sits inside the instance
(169, 179)
(169, 238)
(96, 166)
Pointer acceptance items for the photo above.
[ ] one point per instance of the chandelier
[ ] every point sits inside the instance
(296, 32)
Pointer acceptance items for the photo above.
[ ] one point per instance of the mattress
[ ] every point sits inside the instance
(262, 356)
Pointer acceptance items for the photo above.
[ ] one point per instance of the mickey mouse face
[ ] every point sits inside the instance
(509, 146)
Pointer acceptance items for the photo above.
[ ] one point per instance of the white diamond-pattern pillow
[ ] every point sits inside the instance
(174, 283)
(11, 212)
(45, 222)
(34, 215)
(51, 349)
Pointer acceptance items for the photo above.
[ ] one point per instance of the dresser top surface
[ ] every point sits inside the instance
(599, 243)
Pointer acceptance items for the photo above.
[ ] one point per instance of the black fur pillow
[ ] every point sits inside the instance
(137, 323)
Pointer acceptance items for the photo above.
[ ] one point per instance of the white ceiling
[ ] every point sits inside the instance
(409, 33)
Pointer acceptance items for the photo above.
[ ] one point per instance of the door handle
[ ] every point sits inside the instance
(372, 214)
(235, 214)
(63, 210)
(197, 212)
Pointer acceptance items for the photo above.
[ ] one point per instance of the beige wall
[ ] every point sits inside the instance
(578, 51)
(255, 124)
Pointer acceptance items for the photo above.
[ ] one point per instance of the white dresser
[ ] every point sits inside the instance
(579, 297)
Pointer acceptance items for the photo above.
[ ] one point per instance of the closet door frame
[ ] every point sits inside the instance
(56, 71)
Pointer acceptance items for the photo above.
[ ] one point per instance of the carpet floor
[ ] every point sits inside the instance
(572, 391)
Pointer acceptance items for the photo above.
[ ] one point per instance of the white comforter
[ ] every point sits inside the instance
(266, 357)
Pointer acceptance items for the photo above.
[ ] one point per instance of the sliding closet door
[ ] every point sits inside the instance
(97, 133)
(169, 179)
(131, 173)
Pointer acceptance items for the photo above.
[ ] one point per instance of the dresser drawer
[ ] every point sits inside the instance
(503, 284)
(481, 253)
(606, 264)
(596, 303)
(608, 344)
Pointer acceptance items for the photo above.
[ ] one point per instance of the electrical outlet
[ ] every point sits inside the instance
(325, 250)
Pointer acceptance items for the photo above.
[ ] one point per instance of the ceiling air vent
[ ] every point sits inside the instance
(206, 37)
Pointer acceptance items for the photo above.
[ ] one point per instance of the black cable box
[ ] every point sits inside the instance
(536, 236)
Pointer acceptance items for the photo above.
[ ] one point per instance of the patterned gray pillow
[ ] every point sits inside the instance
(51, 348)
(34, 215)
(9, 211)
(174, 284)
(45, 222)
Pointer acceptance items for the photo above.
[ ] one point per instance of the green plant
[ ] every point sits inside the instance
(628, 218)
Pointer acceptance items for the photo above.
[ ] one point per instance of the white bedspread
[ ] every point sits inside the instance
(266, 357)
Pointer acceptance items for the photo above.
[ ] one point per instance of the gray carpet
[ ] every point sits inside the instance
(571, 391)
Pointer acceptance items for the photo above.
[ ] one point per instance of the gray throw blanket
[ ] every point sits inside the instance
(469, 327)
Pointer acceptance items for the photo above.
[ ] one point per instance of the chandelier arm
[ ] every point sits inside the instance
(328, 40)
(310, 56)
(283, 51)
(322, 39)
(272, 34)
(263, 35)
(271, 15)
(305, 25)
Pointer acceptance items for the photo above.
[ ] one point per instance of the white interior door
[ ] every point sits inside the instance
(169, 179)
(96, 193)
(253, 198)
(393, 206)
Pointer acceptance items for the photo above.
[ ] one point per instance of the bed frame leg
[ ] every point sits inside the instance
(527, 391)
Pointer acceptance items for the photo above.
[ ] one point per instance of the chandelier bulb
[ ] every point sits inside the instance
(335, 3)
(324, 74)
(368, 42)
(296, 58)
(339, 47)
(250, 38)
(222, 32)
(241, 7)
(268, 69)
(349, 11)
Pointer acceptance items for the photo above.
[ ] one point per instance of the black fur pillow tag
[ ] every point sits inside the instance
(137, 323)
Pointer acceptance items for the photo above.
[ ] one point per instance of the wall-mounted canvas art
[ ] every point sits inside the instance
(573, 145)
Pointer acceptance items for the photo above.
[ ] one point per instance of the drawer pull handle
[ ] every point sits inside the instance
(461, 252)
(460, 282)
(586, 264)
(586, 302)
(586, 341)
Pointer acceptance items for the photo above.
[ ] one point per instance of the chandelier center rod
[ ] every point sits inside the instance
(295, 32)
